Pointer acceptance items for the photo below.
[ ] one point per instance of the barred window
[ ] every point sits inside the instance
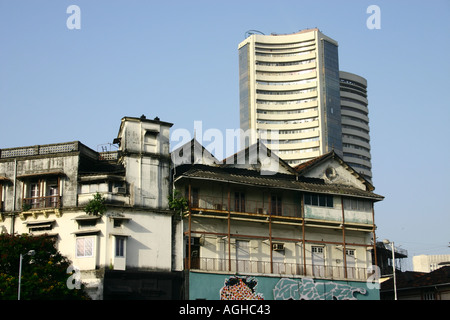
(85, 247)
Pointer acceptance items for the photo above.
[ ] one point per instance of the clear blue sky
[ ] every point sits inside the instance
(178, 60)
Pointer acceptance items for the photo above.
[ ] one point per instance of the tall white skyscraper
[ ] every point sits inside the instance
(290, 84)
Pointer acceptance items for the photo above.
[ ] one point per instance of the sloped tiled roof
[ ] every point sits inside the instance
(280, 181)
(302, 168)
(305, 165)
(258, 148)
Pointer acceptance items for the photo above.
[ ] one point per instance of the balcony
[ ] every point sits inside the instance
(41, 202)
(253, 207)
(289, 269)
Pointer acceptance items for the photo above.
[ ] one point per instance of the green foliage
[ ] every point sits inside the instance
(177, 202)
(44, 275)
(96, 206)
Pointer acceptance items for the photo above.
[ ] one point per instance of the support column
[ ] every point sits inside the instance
(189, 228)
(374, 238)
(344, 250)
(229, 229)
(270, 234)
(302, 208)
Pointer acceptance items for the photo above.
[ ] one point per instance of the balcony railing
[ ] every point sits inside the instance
(41, 202)
(264, 267)
(211, 203)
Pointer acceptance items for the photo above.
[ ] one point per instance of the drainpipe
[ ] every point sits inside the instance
(13, 215)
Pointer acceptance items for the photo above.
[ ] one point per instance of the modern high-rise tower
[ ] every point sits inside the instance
(355, 123)
(290, 95)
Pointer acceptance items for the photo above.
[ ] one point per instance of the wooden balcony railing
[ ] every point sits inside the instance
(211, 203)
(41, 202)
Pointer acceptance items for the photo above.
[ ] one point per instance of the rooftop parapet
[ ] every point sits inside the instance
(56, 148)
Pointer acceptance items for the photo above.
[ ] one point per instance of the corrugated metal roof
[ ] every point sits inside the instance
(278, 181)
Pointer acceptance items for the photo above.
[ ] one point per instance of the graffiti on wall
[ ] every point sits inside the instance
(237, 288)
(307, 289)
(245, 288)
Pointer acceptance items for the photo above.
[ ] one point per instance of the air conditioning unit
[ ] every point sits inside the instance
(121, 190)
(277, 246)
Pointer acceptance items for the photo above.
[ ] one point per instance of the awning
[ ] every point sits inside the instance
(86, 217)
(119, 234)
(86, 232)
(40, 224)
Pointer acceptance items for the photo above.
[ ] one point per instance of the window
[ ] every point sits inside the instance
(430, 295)
(194, 199)
(85, 247)
(317, 249)
(120, 247)
(351, 263)
(53, 193)
(276, 207)
(41, 193)
(321, 200)
(34, 194)
(318, 261)
(239, 202)
(357, 205)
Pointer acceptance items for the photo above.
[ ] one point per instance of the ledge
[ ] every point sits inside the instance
(35, 212)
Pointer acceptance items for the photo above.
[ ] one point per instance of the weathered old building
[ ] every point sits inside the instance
(257, 228)
(121, 253)
(254, 227)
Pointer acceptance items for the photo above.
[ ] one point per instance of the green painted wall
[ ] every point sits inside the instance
(211, 286)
